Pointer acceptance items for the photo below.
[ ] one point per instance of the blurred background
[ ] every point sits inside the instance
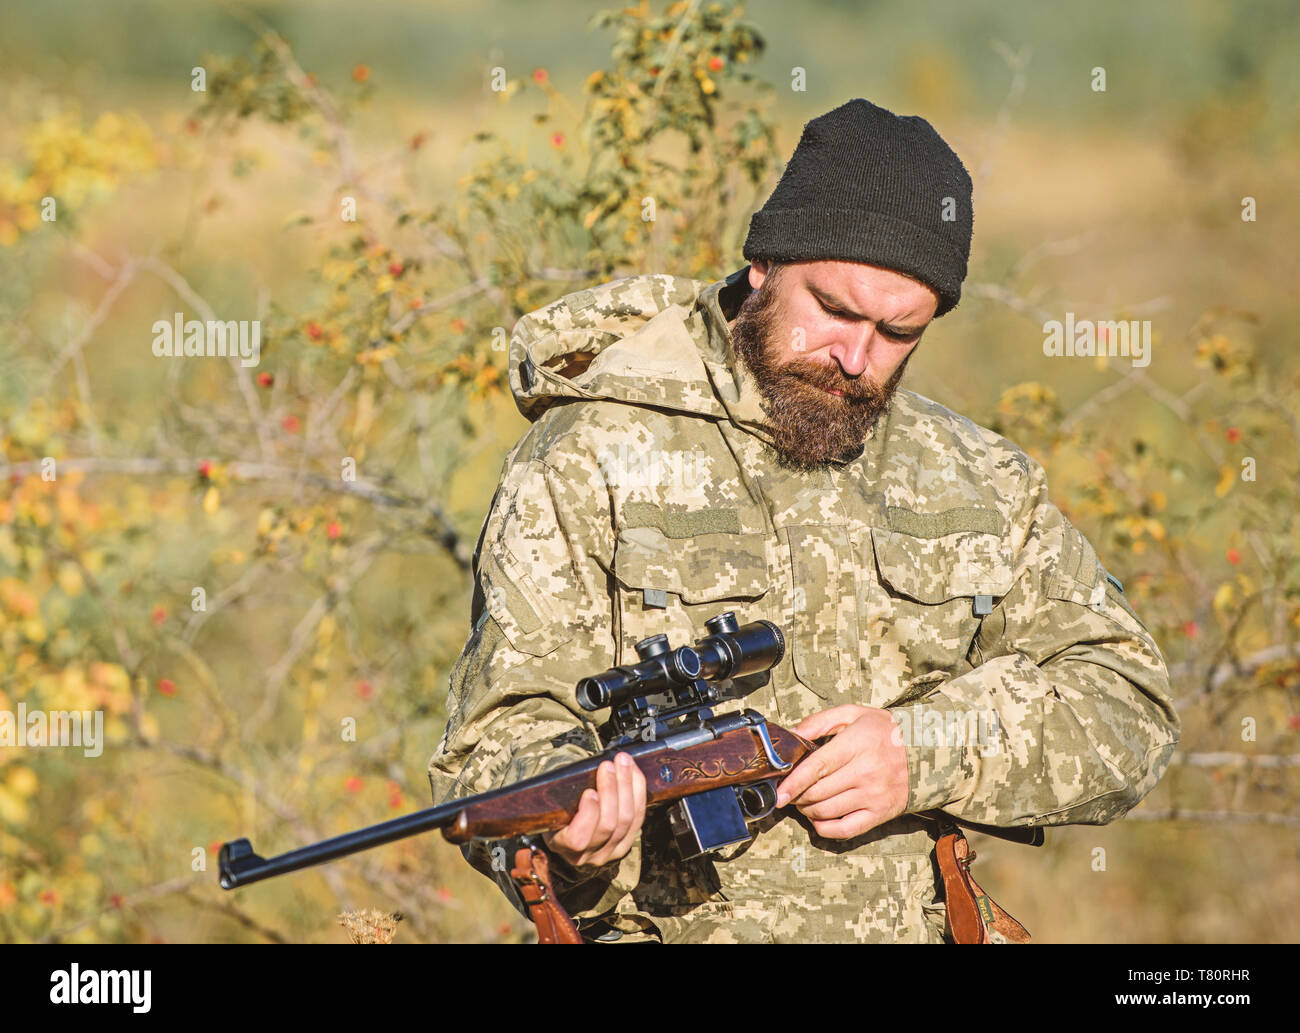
(387, 187)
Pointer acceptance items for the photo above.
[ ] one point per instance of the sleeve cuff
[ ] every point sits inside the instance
(942, 753)
(593, 892)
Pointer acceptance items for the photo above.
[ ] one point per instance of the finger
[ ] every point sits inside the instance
(849, 826)
(573, 838)
(607, 790)
(846, 778)
(638, 814)
(836, 805)
(624, 766)
(813, 768)
(827, 722)
(619, 840)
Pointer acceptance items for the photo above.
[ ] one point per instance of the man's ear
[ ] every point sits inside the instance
(758, 272)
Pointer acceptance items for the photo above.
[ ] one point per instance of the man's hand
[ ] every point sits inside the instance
(856, 781)
(609, 817)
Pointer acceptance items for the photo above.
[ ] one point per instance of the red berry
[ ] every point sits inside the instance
(265, 379)
(1233, 434)
(1234, 556)
(159, 616)
(353, 784)
(333, 530)
(1293, 722)
(205, 468)
(1191, 629)
(539, 75)
(557, 139)
(291, 424)
(395, 268)
(715, 64)
(314, 331)
(167, 687)
(365, 690)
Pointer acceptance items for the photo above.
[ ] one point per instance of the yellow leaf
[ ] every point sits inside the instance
(12, 809)
(1224, 597)
(22, 780)
(1226, 477)
(1158, 501)
(590, 218)
(211, 500)
(70, 580)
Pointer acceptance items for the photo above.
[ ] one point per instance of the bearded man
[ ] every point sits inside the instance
(744, 445)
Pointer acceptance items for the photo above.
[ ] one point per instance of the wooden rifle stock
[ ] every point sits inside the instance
(684, 764)
(550, 801)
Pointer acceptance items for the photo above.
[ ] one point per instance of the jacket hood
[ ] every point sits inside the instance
(657, 341)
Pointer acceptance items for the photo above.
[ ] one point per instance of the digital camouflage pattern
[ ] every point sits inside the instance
(930, 575)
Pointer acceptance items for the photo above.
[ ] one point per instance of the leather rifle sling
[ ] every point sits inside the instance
(971, 912)
(532, 875)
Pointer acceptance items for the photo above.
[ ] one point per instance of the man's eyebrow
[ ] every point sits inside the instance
(831, 301)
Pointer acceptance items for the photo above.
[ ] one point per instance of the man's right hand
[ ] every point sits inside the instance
(609, 817)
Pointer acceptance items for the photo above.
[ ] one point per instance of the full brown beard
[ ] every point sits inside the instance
(810, 427)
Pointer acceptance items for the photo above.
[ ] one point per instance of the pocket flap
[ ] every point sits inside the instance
(1079, 576)
(512, 599)
(699, 569)
(932, 570)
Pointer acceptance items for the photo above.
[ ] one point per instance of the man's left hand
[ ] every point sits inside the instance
(857, 780)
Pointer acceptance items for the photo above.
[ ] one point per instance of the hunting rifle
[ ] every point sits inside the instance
(718, 772)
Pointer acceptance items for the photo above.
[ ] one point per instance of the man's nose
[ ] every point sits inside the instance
(850, 351)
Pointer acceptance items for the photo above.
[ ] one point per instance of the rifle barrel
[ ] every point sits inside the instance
(240, 866)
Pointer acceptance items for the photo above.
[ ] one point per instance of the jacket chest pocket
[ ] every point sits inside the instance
(824, 612)
(937, 592)
(671, 586)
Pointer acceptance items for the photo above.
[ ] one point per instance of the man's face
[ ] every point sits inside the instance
(827, 344)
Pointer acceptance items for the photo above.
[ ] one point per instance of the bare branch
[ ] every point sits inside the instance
(1232, 817)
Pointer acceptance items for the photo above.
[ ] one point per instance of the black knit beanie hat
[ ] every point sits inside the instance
(866, 185)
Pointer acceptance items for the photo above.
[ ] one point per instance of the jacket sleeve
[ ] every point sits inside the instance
(542, 620)
(1068, 696)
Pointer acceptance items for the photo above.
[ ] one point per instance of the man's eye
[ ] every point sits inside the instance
(900, 338)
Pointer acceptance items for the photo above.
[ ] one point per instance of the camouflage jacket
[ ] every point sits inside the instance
(930, 575)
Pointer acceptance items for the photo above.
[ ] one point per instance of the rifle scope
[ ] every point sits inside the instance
(729, 651)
